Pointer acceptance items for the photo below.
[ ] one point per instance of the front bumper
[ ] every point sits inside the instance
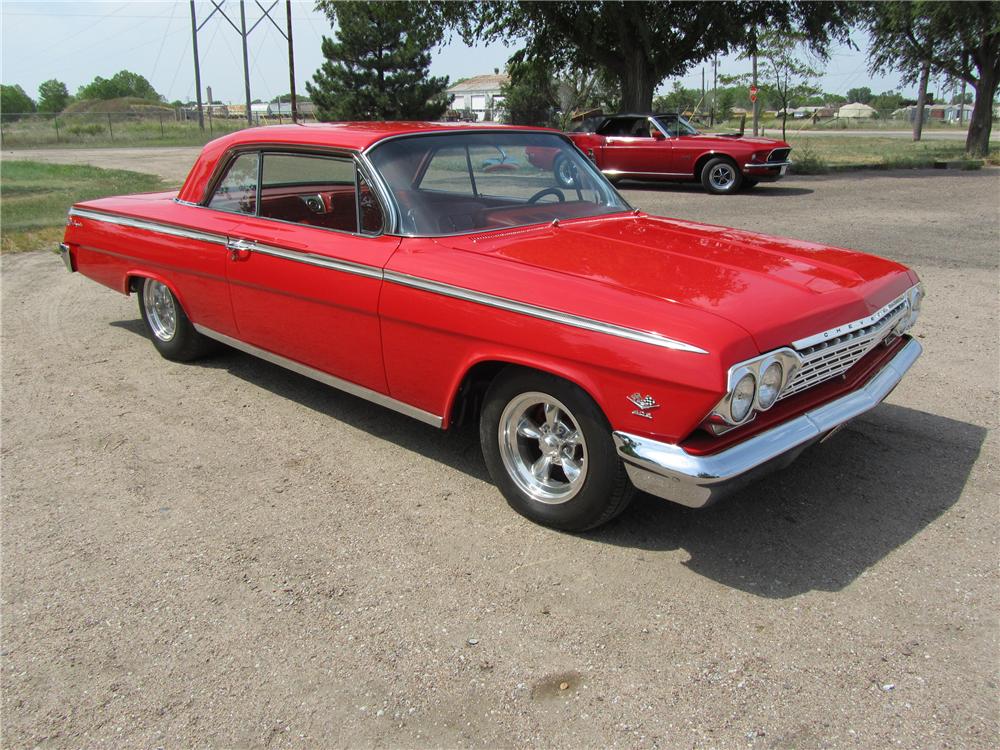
(667, 471)
(766, 171)
(67, 258)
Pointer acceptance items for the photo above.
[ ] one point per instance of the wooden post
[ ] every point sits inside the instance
(291, 61)
(110, 130)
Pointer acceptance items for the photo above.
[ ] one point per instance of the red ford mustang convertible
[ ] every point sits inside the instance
(668, 147)
(432, 269)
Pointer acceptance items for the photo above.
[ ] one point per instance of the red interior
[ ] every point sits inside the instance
(339, 212)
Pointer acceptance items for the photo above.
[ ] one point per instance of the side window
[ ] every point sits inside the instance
(319, 191)
(238, 190)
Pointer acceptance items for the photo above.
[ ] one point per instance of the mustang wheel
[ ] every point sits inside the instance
(548, 448)
(173, 335)
(720, 176)
(564, 171)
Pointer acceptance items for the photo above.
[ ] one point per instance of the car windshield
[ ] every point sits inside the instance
(457, 183)
(675, 125)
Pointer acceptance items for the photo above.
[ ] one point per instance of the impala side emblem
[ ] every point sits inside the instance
(645, 403)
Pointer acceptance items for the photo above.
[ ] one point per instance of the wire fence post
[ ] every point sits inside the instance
(161, 124)
(55, 123)
(111, 131)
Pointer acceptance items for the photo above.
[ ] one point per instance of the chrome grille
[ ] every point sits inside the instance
(779, 154)
(835, 356)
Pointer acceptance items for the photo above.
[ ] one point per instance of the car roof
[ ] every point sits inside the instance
(352, 135)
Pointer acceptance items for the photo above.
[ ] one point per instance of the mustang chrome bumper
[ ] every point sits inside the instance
(767, 165)
(667, 471)
(63, 252)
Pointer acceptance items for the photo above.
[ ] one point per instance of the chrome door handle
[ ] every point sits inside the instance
(240, 249)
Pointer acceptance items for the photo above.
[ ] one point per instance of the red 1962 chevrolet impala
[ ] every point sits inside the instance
(433, 270)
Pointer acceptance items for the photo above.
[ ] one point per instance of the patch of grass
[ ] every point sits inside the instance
(808, 161)
(35, 197)
(840, 153)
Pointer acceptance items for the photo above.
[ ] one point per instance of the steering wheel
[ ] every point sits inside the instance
(548, 191)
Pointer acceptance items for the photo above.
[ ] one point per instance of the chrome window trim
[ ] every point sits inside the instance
(542, 313)
(805, 343)
(323, 377)
(415, 282)
(151, 226)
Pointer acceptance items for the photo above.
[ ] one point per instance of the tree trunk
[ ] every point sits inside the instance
(977, 143)
(637, 82)
(918, 121)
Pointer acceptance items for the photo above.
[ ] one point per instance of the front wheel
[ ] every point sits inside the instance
(720, 176)
(548, 448)
(170, 329)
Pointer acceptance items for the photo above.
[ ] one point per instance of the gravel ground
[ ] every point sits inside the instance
(227, 554)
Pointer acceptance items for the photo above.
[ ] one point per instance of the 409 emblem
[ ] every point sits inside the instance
(645, 405)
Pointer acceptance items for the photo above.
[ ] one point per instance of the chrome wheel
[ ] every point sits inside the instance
(565, 172)
(543, 448)
(160, 308)
(722, 176)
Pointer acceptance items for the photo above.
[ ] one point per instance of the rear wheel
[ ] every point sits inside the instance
(548, 448)
(170, 329)
(720, 176)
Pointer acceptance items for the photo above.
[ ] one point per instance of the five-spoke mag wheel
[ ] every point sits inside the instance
(721, 176)
(549, 450)
(169, 327)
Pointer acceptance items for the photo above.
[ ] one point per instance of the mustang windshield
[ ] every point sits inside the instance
(457, 183)
(675, 125)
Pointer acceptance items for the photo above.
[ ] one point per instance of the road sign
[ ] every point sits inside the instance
(753, 93)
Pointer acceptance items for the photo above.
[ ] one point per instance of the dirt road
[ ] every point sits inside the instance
(228, 554)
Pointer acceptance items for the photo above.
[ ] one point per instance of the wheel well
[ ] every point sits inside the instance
(132, 283)
(704, 159)
(472, 390)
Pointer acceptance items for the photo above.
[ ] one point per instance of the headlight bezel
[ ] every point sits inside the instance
(789, 362)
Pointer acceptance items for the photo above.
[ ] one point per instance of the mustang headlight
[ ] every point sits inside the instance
(770, 385)
(742, 400)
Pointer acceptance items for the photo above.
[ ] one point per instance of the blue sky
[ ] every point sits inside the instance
(78, 40)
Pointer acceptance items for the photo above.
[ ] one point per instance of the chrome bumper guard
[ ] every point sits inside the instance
(667, 471)
(63, 252)
(768, 165)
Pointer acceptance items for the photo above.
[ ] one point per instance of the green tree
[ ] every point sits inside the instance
(379, 66)
(640, 44)
(788, 79)
(862, 94)
(886, 102)
(14, 102)
(531, 94)
(957, 39)
(122, 83)
(53, 96)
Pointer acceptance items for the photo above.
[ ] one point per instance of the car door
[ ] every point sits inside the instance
(305, 266)
(631, 148)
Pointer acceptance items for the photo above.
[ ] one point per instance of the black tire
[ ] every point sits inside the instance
(603, 490)
(749, 183)
(564, 171)
(177, 341)
(721, 176)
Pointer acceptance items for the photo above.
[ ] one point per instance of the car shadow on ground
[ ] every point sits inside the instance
(763, 190)
(818, 525)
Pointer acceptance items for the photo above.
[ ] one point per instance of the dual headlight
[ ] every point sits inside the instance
(913, 297)
(755, 386)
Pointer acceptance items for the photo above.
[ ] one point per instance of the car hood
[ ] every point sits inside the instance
(710, 138)
(778, 290)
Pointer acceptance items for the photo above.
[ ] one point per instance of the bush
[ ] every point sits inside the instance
(808, 161)
(86, 129)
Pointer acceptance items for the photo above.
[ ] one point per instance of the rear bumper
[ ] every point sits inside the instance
(667, 471)
(67, 258)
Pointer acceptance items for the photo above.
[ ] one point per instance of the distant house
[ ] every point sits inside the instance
(856, 111)
(480, 94)
(952, 112)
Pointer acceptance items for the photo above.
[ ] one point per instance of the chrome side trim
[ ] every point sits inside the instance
(415, 282)
(151, 226)
(616, 172)
(768, 165)
(313, 259)
(343, 385)
(543, 313)
(864, 322)
(668, 471)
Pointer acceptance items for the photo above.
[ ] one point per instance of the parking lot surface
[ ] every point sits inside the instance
(228, 554)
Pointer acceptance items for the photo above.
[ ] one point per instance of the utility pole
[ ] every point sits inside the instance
(715, 87)
(197, 70)
(702, 85)
(246, 63)
(291, 61)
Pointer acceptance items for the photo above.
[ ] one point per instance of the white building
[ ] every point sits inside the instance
(481, 94)
(857, 111)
